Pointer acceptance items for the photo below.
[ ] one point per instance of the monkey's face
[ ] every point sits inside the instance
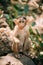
(21, 22)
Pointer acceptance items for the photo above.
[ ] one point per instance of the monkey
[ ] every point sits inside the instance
(18, 36)
(21, 32)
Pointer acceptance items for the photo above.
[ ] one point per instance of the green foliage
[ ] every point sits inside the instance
(33, 24)
(37, 40)
(9, 21)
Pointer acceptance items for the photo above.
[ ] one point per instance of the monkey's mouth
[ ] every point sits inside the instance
(21, 26)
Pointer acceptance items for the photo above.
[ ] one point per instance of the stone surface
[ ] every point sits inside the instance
(9, 60)
(26, 60)
(5, 43)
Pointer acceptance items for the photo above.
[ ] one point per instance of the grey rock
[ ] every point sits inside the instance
(5, 45)
(26, 60)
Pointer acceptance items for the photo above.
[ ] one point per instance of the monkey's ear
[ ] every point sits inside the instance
(15, 21)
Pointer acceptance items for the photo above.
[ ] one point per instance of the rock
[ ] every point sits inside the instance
(3, 22)
(5, 44)
(39, 24)
(26, 60)
(9, 60)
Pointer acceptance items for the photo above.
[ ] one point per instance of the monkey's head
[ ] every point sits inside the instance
(21, 22)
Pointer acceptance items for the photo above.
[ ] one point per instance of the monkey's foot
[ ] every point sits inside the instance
(18, 55)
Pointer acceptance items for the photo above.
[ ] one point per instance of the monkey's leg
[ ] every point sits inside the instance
(26, 47)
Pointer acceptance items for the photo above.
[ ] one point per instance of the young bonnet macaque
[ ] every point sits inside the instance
(21, 32)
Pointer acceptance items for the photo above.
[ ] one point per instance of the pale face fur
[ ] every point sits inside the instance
(21, 22)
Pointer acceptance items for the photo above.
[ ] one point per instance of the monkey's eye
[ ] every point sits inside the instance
(21, 21)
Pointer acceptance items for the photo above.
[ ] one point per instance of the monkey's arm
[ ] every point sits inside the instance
(15, 31)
